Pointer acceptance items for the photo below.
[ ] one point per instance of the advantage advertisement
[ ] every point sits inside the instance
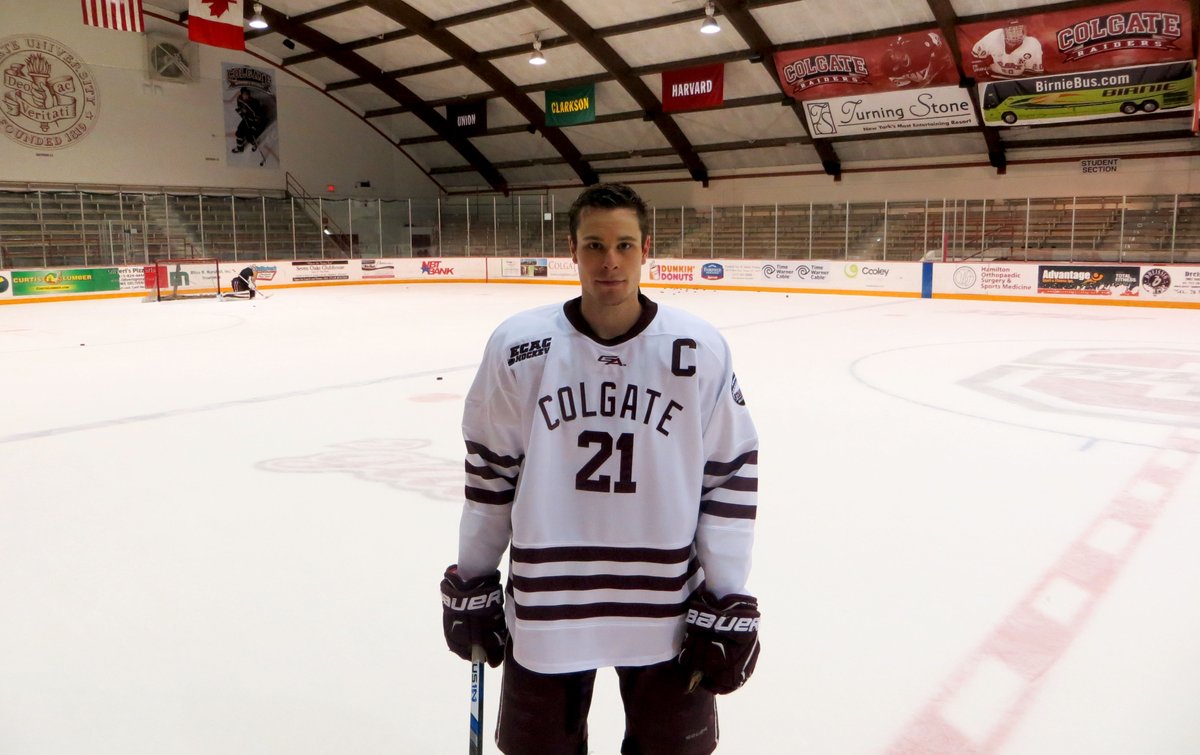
(891, 112)
(1088, 280)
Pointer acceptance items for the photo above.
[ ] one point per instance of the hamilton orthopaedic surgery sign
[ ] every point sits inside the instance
(48, 97)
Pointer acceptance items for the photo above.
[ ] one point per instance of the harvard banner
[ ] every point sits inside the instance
(251, 112)
(693, 88)
(467, 118)
(217, 23)
(908, 61)
(570, 107)
(1082, 39)
(121, 15)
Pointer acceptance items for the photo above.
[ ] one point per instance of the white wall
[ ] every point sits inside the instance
(1134, 175)
(162, 134)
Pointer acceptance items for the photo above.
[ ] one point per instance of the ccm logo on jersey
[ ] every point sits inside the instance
(611, 359)
(528, 350)
(473, 603)
(722, 623)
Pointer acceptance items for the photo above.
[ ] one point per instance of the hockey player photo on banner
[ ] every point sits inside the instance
(251, 112)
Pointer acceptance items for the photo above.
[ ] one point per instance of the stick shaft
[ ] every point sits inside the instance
(477, 667)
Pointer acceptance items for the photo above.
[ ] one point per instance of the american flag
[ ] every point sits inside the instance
(122, 15)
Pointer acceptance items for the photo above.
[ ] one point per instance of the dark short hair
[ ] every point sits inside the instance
(610, 196)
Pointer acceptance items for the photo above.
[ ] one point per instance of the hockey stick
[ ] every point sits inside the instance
(477, 665)
(253, 287)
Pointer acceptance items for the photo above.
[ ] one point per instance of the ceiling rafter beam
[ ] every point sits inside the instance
(757, 40)
(311, 38)
(303, 18)
(568, 20)
(445, 23)
(411, 18)
(948, 21)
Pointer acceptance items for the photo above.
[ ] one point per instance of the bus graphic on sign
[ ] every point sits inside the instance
(1092, 95)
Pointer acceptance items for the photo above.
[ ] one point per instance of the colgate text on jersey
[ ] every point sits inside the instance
(631, 403)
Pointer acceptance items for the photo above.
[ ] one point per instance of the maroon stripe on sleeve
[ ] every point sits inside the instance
(719, 468)
(493, 497)
(492, 457)
(601, 553)
(728, 510)
(487, 473)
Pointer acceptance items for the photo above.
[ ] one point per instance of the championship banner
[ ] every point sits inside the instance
(217, 23)
(891, 112)
(571, 107)
(467, 118)
(693, 88)
(1082, 39)
(1095, 95)
(908, 61)
(251, 131)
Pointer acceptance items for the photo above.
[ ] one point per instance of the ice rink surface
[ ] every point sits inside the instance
(222, 524)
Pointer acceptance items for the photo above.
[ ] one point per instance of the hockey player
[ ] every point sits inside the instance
(244, 282)
(250, 121)
(609, 449)
(916, 61)
(1007, 53)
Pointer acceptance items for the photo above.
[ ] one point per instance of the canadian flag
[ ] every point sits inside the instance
(217, 23)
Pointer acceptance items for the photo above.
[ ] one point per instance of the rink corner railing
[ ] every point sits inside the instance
(1153, 285)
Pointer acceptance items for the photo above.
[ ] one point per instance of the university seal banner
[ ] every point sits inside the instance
(251, 112)
(1082, 39)
(49, 98)
(570, 107)
(693, 88)
(906, 61)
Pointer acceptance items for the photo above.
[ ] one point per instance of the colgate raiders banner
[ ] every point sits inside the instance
(1084, 39)
(907, 61)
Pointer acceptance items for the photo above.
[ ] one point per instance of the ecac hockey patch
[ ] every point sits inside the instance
(737, 391)
(528, 350)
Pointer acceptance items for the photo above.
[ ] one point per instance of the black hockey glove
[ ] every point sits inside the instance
(473, 614)
(721, 643)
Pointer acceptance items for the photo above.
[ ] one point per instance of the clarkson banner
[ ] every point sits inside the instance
(908, 61)
(1082, 39)
(571, 107)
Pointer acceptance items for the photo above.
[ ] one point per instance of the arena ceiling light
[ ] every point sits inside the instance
(257, 21)
(537, 58)
(710, 25)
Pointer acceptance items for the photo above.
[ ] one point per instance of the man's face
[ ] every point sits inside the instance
(609, 249)
(1014, 35)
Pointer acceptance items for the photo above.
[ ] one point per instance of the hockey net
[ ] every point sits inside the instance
(183, 279)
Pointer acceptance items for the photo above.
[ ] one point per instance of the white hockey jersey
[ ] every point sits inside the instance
(1025, 60)
(622, 472)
